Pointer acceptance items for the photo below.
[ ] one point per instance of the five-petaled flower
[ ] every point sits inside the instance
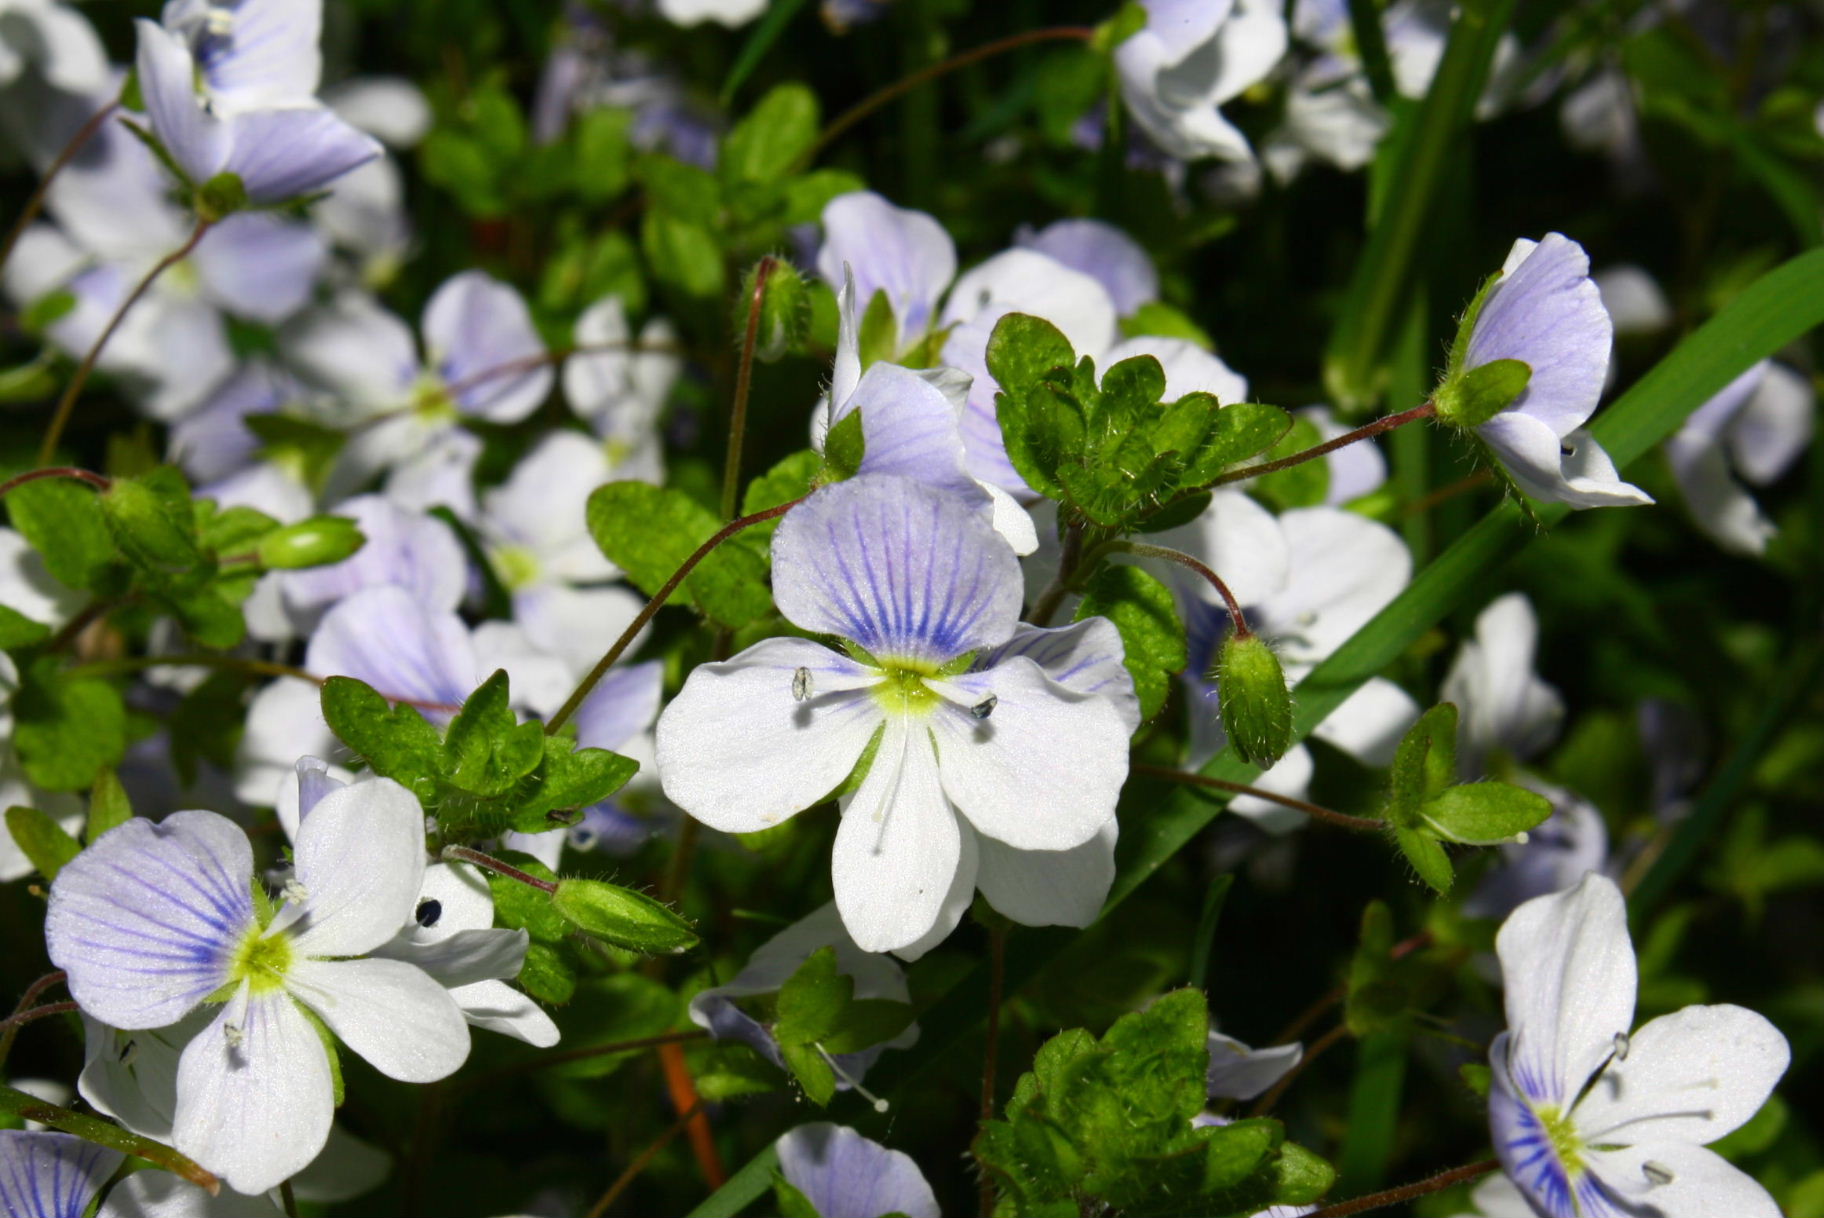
(1591, 1121)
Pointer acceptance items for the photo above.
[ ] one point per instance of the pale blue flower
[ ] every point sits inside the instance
(845, 1175)
(51, 1175)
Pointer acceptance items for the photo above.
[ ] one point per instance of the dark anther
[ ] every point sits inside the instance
(428, 913)
(984, 708)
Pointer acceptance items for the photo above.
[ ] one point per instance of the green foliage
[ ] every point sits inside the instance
(41, 839)
(1112, 453)
(109, 807)
(66, 728)
(1303, 485)
(1256, 705)
(650, 531)
(1472, 397)
(487, 772)
(316, 542)
(1152, 637)
(63, 521)
(1108, 1123)
(765, 145)
(817, 1015)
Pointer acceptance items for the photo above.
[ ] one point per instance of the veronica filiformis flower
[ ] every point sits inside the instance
(280, 150)
(55, 41)
(1104, 253)
(1546, 312)
(1306, 581)
(51, 1175)
(845, 1175)
(1593, 1120)
(1506, 712)
(619, 385)
(1751, 431)
(153, 921)
(1190, 58)
(968, 741)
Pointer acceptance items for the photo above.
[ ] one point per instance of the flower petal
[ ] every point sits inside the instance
(1238, 1072)
(476, 327)
(259, 266)
(900, 568)
(1370, 722)
(144, 921)
(1719, 505)
(621, 706)
(1043, 770)
(1188, 368)
(462, 957)
(1570, 973)
(904, 253)
(1674, 1178)
(51, 1175)
(196, 140)
(737, 751)
(410, 550)
(1503, 704)
(842, 1173)
(1571, 469)
(268, 57)
(1547, 312)
(1104, 253)
(387, 638)
(1048, 887)
(1691, 1076)
(1774, 427)
(899, 845)
(393, 1014)
(283, 155)
(498, 1007)
(911, 429)
(257, 1111)
(360, 854)
(1084, 657)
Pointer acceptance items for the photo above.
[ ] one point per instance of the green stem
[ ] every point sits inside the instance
(744, 380)
(66, 405)
(652, 607)
(1342, 820)
(1406, 1192)
(1386, 423)
(102, 1133)
(906, 84)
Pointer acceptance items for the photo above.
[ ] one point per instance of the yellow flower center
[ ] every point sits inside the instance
(262, 960)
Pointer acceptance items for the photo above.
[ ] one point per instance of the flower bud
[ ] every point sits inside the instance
(785, 310)
(621, 916)
(316, 542)
(1256, 706)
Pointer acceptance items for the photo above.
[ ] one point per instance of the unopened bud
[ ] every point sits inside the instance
(1256, 707)
(316, 542)
(621, 916)
(785, 310)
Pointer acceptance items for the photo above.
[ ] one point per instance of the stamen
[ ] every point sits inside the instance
(219, 21)
(1656, 1173)
(233, 1034)
(128, 1052)
(428, 912)
(880, 1105)
(1521, 838)
(801, 685)
(1621, 1046)
(294, 890)
(984, 708)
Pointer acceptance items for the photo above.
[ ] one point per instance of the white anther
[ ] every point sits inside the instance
(880, 1105)
(1521, 838)
(231, 1032)
(1656, 1173)
(294, 890)
(1621, 1046)
(219, 21)
(801, 685)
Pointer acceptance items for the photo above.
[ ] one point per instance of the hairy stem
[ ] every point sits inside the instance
(66, 405)
(744, 380)
(490, 863)
(1406, 1192)
(97, 481)
(1318, 1047)
(906, 84)
(1426, 410)
(1361, 824)
(9, 1030)
(35, 204)
(653, 606)
(1142, 549)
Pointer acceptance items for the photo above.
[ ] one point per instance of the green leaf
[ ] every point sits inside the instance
(650, 531)
(1152, 637)
(1240, 431)
(63, 522)
(395, 741)
(684, 256)
(1484, 813)
(520, 906)
(67, 729)
(18, 630)
(814, 1074)
(1478, 395)
(546, 975)
(866, 1022)
(790, 479)
(1426, 856)
(487, 750)
(1024, 351)
(109, 807)
(1256, 705)
(153, 522)
(1424, 764)
(602, 164)
(812, 999)
(766, 144)
(1156, 318)
(788, 1200)
(569, 779)
(622, 917)
(45, 843)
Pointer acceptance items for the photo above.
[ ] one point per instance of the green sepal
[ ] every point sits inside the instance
(843, 448)
(622, 917)
(109, 806)
(220, 197)
(1255, 703)
(649, 532)
(1484, 813)
(1472, 398)
(1427, 857)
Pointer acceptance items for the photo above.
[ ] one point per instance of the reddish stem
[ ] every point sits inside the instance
(1406, 1192)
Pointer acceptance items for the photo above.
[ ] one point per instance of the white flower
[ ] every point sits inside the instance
(1193, 56)
(153, 921)
(1503, 706)
(1755, 428)
(985, 766)
(1591, 1121)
